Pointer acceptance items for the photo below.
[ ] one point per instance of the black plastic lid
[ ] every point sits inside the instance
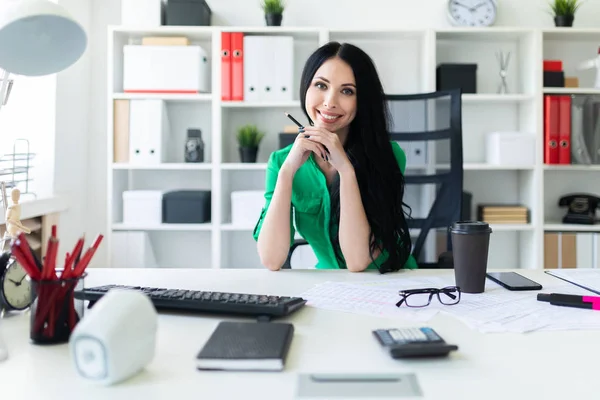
(470, 227)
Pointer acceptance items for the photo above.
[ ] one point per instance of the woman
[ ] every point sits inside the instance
(342, 176)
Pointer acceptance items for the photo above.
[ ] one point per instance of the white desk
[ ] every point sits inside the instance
(544, 365)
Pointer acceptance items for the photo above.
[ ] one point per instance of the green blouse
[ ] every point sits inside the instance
(311, 207)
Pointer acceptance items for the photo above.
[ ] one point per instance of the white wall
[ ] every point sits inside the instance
(72, 133)
(91, 215)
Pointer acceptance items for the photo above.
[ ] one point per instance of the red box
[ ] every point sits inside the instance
(553, 65)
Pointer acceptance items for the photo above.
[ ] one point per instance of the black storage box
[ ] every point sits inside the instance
(554, 79)
(285, 139)
(188, 13)
(457, 76)
(186, 207)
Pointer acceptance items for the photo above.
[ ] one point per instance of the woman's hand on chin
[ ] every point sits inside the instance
(335, 153)
(301, 151)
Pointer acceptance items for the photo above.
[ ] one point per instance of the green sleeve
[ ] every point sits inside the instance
(411, 263)
(271, 175)
(400, 156)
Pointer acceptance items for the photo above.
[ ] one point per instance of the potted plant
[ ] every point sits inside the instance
(249, 138)
(564, 11)
(273, 11)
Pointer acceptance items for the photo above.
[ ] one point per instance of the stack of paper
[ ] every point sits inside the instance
(495, 310)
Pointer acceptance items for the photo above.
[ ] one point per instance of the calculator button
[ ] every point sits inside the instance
(432, 335)
(408, 335)
(385, 338)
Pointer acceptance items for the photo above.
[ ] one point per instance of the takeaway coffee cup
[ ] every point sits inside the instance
(470, 244)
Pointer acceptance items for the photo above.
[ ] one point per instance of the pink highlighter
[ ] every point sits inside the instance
(570, 300)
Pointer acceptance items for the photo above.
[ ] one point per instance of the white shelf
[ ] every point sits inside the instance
(244, 166)
(577, 90)
(192, 32)
(495, 98)
(571, 34)
(200, 97)
(162, 227)
(572, 167)
(234, 228)
(537, 186)
(270, 104)
(560, 227)
(486, 34)
(488, 167)
(511, 227)
(165, 166)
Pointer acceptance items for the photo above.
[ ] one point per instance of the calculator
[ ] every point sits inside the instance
(413, 342)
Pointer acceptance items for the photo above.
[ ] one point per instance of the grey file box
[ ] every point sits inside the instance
(186, 207)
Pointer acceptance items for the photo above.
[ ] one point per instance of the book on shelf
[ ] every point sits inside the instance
(502, 214)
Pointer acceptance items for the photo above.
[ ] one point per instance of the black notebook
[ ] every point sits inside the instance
(251, 346)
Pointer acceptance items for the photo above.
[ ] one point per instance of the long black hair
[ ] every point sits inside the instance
(369, 149)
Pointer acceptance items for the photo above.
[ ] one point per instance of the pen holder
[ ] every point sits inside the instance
(54, 310)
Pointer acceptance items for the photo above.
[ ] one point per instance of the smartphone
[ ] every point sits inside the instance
(513, 281)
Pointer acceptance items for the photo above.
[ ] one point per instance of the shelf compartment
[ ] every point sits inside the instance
(201, 97)
(164, 166)
(162, 227)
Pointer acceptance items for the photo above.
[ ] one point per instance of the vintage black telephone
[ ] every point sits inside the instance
(582, 208)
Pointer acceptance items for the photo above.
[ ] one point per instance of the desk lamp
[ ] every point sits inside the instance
(37, 37)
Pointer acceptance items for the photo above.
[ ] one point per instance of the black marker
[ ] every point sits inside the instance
(302, 128)
(294, 120)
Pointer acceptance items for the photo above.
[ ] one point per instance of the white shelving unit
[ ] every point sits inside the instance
(406, 61)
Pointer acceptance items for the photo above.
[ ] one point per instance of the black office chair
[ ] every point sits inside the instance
(416, 120)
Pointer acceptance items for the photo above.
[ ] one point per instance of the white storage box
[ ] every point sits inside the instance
(510, 148)
(142, 207)
(142, 13)
(246, 206)
(165, 69)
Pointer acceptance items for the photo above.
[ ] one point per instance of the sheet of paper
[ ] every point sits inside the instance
(589, 278)
(495, 310)
(362, 300)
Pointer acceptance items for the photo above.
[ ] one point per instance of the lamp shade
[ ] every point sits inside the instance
(38, 37)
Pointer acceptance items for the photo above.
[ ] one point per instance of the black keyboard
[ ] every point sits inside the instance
(201, 301)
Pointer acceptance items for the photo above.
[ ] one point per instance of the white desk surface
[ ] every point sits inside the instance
(543, 365)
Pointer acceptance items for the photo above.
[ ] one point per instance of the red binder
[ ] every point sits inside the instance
(237, 66)
(551, 115)
(225, 66)
(564, 130)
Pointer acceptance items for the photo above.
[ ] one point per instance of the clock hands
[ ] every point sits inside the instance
(18, 283)
(458, 3)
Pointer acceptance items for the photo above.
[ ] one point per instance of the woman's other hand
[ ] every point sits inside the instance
(301, 150)
(336, 155)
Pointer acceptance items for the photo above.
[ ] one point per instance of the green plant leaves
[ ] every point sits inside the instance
(273, 6)
(249, 136)
(565, 7)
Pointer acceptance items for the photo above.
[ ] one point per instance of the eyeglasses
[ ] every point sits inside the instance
(422, 297)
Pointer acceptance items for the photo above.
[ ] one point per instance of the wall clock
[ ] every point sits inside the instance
(472, 12)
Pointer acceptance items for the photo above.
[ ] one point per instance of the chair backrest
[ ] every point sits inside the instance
(417, 121)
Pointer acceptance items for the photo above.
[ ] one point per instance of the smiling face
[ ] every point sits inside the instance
(331, 96)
